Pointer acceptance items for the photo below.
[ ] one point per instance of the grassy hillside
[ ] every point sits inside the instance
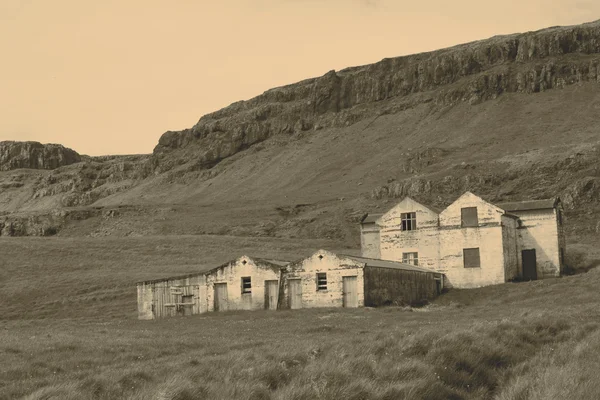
(68, 330)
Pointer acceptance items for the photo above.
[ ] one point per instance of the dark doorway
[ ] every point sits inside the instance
(529, 265)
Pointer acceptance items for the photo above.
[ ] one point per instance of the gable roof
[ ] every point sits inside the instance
(374, 262)
(370, 218)
(279, 264)
(530, 205)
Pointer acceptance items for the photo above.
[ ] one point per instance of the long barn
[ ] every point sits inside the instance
(321, 280)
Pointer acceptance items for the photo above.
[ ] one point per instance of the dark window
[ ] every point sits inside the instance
(246, 284)
(321, 281)
(471, 258)
(410, 258)
(409, 221)
(468, 217)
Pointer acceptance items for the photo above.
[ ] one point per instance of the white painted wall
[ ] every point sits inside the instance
(539, 230)
(336, 268)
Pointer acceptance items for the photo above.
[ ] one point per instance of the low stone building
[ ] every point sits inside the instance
(329, 280)
(242, 284)
(473, 242)
(321, 280)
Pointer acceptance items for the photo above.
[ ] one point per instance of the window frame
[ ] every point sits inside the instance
(408, 221)
(462, 217)
(320, 277)
(478, 257)
(248, 289)
(414, 261)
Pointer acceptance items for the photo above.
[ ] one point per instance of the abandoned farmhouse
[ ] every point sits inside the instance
(409, 254)
(472, 242)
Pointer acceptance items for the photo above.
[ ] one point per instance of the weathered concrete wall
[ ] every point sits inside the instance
(335, 267)
(539, 231)
(232, 274)
(487, 237)
(370, 241)
(509, 247)
(422, 240)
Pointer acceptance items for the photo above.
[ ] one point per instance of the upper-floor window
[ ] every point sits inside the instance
(410, 258)
(409, 221)
(468, 217)
(471, 258)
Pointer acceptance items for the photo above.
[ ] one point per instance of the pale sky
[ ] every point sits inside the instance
(110, 76)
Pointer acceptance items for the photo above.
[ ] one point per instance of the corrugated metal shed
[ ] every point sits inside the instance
(529, 205)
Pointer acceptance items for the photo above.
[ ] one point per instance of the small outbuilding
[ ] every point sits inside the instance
(242, 284)
(329, 280)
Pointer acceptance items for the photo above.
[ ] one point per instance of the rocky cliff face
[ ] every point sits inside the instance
(34, 155)
(474, 72)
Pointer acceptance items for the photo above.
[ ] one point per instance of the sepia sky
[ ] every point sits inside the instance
(110, 76)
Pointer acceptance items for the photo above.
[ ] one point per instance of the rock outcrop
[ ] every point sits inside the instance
(473, 72)
(34, 155)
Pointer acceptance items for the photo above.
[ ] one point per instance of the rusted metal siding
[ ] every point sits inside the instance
(386, 286)
(306, 271)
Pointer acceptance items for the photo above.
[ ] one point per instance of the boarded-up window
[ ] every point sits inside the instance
(468, 217)
(409, 221)
(410, 258)
(321, 281)
(471, 258)
(246, 284)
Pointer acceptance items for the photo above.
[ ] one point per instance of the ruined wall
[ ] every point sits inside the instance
(232, 274)
(335, 267)
(509, 246)
(370, 241)
(487, 237)
(423, 240)
(539, 231)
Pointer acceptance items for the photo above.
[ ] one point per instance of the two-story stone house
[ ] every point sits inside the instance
(473, 242)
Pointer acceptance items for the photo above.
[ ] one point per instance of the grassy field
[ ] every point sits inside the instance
(68, 330)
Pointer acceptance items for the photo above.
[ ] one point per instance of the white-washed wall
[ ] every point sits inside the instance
(370, 241)
(539, 231)
(336, 268)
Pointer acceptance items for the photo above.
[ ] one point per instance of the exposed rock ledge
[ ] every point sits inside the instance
(474, 72)
(34, 155)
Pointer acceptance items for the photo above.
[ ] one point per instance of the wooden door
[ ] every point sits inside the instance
(350, 292)
(295, 293)
(221, 298)
(529, 265)
(187, 307)
(271, 294)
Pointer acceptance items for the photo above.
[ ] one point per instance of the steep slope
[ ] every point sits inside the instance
(509, 118)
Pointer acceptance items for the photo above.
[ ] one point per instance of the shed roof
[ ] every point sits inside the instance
(370, 218)
(529, 205)
(374, 262)
(274, 263)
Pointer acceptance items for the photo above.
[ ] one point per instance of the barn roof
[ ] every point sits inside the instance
(370, 218)
(274, 263)
(374, 262)
(529, 205)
